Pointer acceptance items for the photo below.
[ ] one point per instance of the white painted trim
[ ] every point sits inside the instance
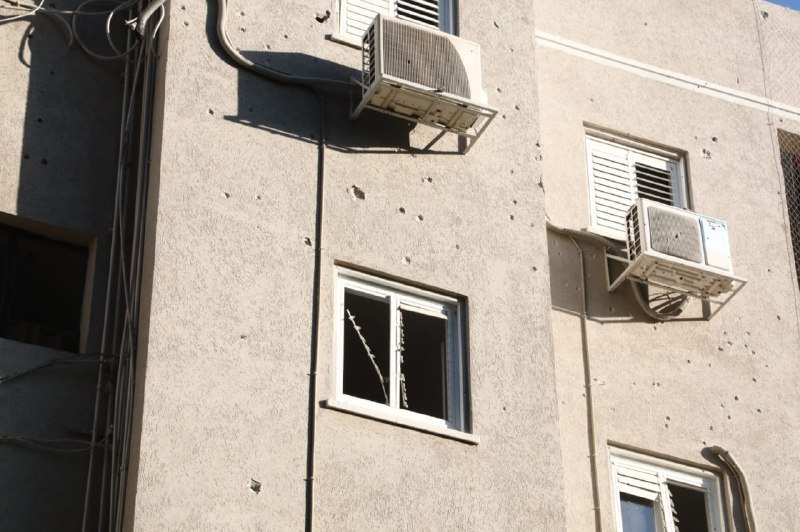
(698, 478)
(411, 299)
(669, 77)
(392, 417)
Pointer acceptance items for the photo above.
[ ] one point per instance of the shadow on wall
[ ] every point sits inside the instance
(565, 283)
(372, 133)
(65, 191)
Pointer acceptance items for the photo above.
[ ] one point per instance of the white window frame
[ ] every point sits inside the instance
(634, 152)
(447, 16)
(417, 300)
(629, 464)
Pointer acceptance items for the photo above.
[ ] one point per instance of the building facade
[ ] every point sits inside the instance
(289, 319)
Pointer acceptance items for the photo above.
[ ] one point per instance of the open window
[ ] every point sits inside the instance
(356, 15)
(620, 171)
(400, 351)
(41, 289)
(654, 495)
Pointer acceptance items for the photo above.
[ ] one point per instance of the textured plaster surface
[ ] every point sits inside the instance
(59, 119)
(673, 388)
(225, 381)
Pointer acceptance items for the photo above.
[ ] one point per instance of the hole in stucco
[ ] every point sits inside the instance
(255, 486)
(356, 193)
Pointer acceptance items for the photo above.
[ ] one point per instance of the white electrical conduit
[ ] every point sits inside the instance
(24, 15)
(269, 73)
(587, 368)
(741, 482)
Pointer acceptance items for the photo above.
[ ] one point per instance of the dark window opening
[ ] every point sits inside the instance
(638, 514)
(361, 378)
(688, 509)
(424, 363)
(41, 289)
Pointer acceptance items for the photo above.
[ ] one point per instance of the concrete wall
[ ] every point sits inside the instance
(673, 388)
(60, 122)
(225, 381)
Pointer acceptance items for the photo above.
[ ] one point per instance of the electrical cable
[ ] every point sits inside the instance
(270, 73)
(145, 15)
(83, 45)
(24, 15)
(108, 25)
(44, 445)
(71, 359)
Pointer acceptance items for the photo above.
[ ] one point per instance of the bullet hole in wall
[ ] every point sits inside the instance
(356, 193)
(255, 486)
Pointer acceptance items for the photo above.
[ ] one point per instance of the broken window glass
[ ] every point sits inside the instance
(366, 347)
(401, 349)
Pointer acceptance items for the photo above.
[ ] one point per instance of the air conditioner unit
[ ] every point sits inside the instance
(679, 250)
(423, 75)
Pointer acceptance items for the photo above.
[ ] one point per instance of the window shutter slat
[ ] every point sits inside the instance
(357, 15)
(423, 11)
(610, 185)
(654, 183)
(619, 174)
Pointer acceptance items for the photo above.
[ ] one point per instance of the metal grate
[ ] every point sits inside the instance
(421, 11)
(790, 165)
(780, 47)
(654, 184)
(368, 64)
(675, 233)
(423, 57)
(634, 235)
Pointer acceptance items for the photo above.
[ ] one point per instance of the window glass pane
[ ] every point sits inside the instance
(366, 347)
(638, 515)
(424, 364)
(689, 509)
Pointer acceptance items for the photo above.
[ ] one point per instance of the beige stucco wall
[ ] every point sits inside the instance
(225, 385)
(59, 118)
(673, 388)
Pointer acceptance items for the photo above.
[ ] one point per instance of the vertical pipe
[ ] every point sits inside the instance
(312, 374)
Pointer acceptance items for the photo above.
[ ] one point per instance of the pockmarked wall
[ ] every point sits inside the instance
(679, 387)
(59, 119)
(224, 377)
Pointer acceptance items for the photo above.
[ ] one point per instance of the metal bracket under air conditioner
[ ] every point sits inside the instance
(629, 274)
(482, 115)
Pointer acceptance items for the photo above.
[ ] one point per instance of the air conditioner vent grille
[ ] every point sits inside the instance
(674, 233)
(423, 57)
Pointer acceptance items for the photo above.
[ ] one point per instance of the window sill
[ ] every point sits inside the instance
(347, 40)
(402, 422)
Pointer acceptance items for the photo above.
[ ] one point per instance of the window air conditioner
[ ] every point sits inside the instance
(424, 75)
(679, 250)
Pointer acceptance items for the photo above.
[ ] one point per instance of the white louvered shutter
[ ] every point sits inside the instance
(356, 15)
(648, 484)
(618, 175)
